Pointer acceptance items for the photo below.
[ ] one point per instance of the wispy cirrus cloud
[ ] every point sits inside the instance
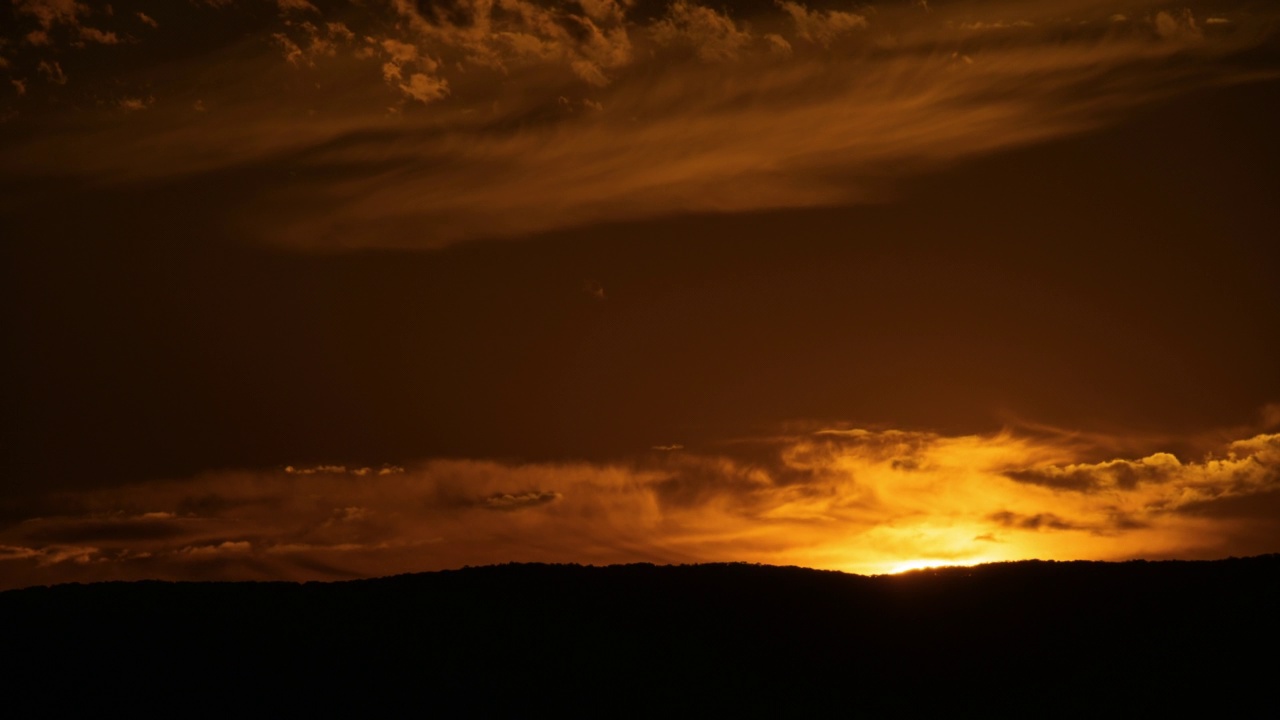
(435, 123)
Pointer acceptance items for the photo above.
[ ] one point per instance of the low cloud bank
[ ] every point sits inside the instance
(865, 501)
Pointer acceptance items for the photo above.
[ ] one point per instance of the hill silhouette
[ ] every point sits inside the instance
(1050, 638)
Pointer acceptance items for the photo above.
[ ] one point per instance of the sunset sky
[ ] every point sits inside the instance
(328, 289)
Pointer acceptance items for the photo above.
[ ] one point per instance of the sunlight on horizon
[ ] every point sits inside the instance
(928, 563)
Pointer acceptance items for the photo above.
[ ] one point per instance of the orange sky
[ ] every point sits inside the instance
(846, 499)
(328, 289)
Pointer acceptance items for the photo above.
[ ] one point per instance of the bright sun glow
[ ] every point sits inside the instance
(922, 563)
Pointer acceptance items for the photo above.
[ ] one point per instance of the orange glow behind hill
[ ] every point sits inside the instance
(869, 502)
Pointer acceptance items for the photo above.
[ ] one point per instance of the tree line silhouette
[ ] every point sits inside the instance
(1053, 638)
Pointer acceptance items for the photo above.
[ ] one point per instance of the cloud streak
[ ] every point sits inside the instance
(446, 122)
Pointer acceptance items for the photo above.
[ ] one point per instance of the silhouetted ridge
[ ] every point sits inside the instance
(1058, 638)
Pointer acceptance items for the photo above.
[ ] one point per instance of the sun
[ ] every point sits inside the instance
(922, 563)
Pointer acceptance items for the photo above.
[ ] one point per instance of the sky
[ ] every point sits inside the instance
(325, 290)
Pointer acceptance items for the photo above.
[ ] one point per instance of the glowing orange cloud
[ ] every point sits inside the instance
(855, 500)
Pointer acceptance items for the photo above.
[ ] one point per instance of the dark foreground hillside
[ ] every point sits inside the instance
(1034, 638)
